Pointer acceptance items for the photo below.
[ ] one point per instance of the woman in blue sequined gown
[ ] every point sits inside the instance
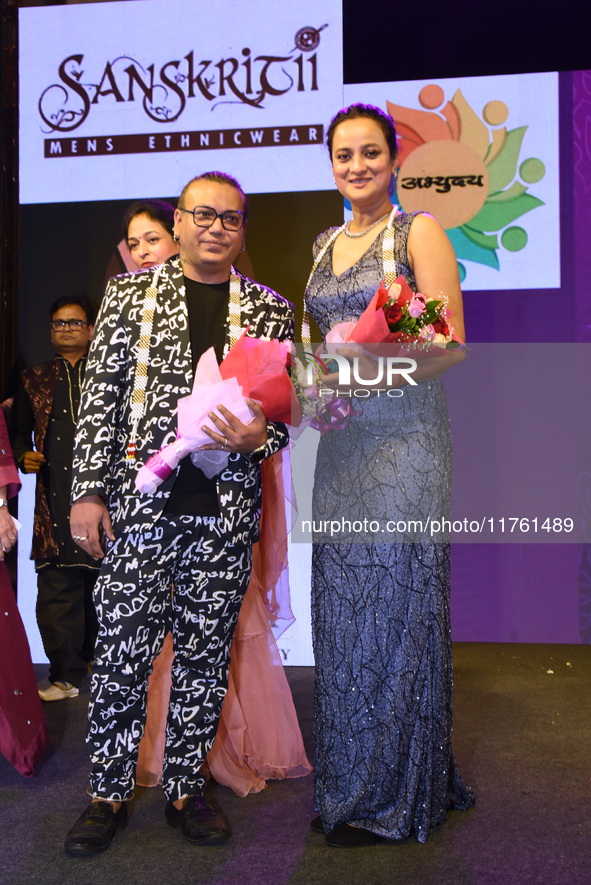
(380, 610)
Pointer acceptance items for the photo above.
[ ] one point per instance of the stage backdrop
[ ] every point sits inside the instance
(125, 100)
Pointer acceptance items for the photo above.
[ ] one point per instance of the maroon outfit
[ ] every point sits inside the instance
(23, 729)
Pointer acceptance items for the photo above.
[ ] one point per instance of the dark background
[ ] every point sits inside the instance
(386, 41)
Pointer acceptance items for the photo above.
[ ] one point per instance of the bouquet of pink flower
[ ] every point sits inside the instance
(414, 319)
(400, 316)
(255, 368)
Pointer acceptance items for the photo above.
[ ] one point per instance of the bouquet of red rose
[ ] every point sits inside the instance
(414, 319)
(260, 366)
(400, 316)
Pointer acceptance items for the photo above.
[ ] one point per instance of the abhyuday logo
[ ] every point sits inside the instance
(481, 155)
(468, 171)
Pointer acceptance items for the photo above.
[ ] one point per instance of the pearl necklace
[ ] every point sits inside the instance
(362, 233)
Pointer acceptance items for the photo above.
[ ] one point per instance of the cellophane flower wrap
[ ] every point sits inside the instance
(306, 377)
(322, 415)
(254, 368)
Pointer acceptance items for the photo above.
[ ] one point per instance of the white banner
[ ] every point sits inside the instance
(123, 100)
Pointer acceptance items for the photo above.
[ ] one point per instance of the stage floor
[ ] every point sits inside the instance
(522, 728)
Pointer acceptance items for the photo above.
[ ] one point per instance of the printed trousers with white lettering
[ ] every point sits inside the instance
(135, 610)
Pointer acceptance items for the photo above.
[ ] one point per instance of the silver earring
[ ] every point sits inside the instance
(243, 246)
(175, 238)
(393, 182)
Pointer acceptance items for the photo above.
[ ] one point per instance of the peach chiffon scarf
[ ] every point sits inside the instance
(258, 735)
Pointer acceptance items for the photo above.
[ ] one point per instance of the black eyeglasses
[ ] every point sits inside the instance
(205, 216)
(73, 325)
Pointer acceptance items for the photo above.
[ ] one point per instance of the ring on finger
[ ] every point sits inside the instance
(80, 537)
(225, 443)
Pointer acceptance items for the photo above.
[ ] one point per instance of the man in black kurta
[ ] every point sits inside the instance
(46, 406)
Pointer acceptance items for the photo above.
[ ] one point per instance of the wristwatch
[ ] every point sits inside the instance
(3, 502)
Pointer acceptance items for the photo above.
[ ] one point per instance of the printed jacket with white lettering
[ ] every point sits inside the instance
(104, 421)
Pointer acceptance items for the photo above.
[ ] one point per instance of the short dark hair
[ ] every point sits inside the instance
(81, 300)
(157, 210)
(217, 178)
(354, 112)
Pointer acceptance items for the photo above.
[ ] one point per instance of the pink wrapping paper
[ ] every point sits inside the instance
(209, 391)
(255, 368)
(260, 366)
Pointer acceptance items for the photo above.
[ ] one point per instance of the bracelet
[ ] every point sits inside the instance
(258, 455)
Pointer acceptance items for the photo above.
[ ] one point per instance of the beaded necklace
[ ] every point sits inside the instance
(138, 396)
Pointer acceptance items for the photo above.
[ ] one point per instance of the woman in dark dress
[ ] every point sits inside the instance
(380, 606)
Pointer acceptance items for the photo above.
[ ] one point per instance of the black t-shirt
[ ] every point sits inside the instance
(193, 494)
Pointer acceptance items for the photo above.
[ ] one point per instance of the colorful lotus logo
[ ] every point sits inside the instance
(464, 171)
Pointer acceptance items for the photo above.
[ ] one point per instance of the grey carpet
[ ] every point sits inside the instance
(521, 736)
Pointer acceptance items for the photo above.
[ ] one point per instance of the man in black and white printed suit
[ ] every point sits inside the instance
(194, 532)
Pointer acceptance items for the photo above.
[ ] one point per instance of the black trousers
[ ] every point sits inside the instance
(135, 610)
(67, 620)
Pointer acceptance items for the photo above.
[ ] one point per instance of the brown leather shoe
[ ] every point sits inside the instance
(95, 829)
(199, 822)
